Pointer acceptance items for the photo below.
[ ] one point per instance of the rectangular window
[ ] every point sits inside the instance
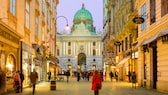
(27, 15)
(69, 43)
(43, 33)
(122, 43)
(130, 41)
(94, 43)
(94, 52)
(43, 6)
(164, 7)
(126, 43)
(58, 52)
(143, 13)
(152, 11)
(13, 7)
(69, 51)
(36, 35)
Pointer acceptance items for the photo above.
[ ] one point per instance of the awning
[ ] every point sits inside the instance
(123, 60)
(164, 32)
(53, 59)
(39, 58)
(151, 39)
(154, 37)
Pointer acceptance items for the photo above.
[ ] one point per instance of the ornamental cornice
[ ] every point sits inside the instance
(82, 20)
(9, 34)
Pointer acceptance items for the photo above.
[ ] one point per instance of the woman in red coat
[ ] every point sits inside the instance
(96, 82)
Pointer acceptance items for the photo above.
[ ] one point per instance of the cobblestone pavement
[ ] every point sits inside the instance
(83, 87)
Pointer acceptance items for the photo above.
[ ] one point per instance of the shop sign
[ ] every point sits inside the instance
(138, 20)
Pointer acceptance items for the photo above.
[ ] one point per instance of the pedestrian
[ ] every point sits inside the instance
(88, 75)
(21, 78)
(78, 76)
(133, 79)
(67, 75)
(49, 76)
(116, 75)
(17, 81)
(33, 79)
(96, 82)
(105, 75)
(111, 75)
(2, 79)
(101, 74)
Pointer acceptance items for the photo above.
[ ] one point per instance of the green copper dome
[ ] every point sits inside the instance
(83, 14)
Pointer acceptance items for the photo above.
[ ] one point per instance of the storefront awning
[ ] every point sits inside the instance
(123, 60)
(53, 59)
(151, 39)
(154, 37)
(38, 60)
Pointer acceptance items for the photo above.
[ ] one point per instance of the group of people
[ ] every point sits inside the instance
(18, 81)
(19, 78)
(96, 79)
(113, 75)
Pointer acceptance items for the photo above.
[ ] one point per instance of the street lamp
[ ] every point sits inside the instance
(67, 27)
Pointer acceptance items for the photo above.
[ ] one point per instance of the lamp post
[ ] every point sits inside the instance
(67, 27)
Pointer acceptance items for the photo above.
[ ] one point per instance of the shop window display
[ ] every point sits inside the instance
(10, 64)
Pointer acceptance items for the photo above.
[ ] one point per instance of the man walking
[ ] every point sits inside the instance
(111, 75)
(33, 78)
(67, 75)
(21, 78)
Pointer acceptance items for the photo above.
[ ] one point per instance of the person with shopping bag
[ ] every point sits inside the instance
(96, 82)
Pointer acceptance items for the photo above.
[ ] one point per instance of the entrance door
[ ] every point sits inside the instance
(154, 66)
(82, 61)
(153, 45)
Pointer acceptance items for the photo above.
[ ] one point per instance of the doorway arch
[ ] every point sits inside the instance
(81, 61)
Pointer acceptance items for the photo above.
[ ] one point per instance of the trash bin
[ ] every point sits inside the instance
(53, 85)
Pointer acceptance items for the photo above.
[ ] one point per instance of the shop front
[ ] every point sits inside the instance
(123, 68)
(26, 56)
(9, 56)
(37, 60)
(52, 66)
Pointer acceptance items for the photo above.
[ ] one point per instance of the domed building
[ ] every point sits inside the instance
(81, 50)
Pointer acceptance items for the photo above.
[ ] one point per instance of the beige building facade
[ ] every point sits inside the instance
(26, 28)
(141, 47)
(122, 38)
(153, 44)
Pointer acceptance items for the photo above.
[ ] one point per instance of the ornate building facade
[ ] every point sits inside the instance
(82, 48)
(26, 28)
(141, 47)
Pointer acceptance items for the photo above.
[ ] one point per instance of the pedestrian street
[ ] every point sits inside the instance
(83, 87)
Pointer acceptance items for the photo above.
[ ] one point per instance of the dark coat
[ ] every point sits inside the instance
(33, 77)
(21, 77)
(67, 73)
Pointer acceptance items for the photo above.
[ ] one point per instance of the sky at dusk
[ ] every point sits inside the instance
(68, 8)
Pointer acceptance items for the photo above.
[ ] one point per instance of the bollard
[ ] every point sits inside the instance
(53, 85)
